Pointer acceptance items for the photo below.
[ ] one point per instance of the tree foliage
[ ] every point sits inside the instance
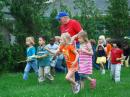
(2, 3)
(30, 21)
(117, 20)
(88, 15)
(28, 15)
(54, 24)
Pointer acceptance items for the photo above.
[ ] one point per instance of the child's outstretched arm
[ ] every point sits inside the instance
(54, 53)
(48, 50)
(31, 57)
(109, 56)
(43, 56)
(97, 48)
(89, 52)
(74, 37)
(120, 59)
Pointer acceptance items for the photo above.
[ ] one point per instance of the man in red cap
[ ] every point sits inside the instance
(71, 26)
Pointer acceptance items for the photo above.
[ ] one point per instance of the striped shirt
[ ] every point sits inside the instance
(85, 60)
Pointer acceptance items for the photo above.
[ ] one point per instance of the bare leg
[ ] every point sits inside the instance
(70, 77)
(102, 66)
(53, 71)
(82, 84)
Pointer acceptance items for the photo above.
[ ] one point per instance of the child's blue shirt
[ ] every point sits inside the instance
(30, 52)
(43, 61)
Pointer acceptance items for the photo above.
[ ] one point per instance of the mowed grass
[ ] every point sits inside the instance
(12, 85)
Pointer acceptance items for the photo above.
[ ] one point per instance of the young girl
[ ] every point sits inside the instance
(102, 40)
(101, 56)
(31, 62)
(71, 57)
(85, 60)
(43, 61)
(116, 56)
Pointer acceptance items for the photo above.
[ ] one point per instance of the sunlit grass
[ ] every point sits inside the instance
(12, 85)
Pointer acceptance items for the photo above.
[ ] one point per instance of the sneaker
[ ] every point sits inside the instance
(50, 77)
(76, 88)
(103, 72)
(93, 84)
(117, 80)
(41, 80)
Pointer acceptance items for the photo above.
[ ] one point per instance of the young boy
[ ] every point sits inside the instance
(53, 48)
(116, 56)
(43, 61)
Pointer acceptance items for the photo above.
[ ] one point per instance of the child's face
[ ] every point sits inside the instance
(41, 41)
(57, 40)
(114, 45)
(52, 42)
(100, 41)
(28, 42)
(62, 41)
(80, 39)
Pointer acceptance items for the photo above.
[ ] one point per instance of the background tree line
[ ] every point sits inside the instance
(30, 21)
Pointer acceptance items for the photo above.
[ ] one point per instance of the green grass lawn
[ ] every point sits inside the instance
(12, 85)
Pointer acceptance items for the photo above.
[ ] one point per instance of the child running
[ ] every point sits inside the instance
(52, 46)
(31, 61)
(85, 60)
(116, 57)
(43, 61)
(71, 57)
(101, 56)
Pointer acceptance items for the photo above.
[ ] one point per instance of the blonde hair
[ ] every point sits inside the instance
(57, 37)
(102, 37)
(67, 36)
(84, 35)
(30, 39)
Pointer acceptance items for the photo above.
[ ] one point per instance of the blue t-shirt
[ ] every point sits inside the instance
(43, 61)
(30, 52)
